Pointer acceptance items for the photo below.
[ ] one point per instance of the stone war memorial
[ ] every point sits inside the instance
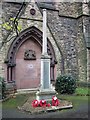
(40, 40)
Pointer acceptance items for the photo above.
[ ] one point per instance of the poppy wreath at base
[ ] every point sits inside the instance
(48, 105)
(35, 103)
(43, 103)
(55, 101)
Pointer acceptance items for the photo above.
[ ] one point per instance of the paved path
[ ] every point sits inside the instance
(80, 112)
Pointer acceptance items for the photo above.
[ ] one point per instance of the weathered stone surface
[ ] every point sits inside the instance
(82, 54)
(65, 31)
(88, 65)
(69, 9)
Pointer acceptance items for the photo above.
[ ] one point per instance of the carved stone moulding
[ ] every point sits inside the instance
(30, 55)
(31, 32)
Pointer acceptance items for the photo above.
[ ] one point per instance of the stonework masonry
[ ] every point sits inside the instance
(73, 9)
(65, 32)
(81, 47)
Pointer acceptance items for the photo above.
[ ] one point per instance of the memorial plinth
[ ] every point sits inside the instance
(46, 90)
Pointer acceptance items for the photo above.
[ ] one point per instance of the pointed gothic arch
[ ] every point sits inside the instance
(36, 34)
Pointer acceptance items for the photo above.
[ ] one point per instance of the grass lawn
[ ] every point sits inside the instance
(76, 99)
(82, 91)
(80, 97)
(15, 102)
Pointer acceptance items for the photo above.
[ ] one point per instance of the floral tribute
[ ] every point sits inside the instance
(43, 103)
(35, 103)
(55, 101)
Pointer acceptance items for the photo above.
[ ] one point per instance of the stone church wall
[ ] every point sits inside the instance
(65, 31)
(82, 53)
(26, 20)
(7, 10)
(67, 27)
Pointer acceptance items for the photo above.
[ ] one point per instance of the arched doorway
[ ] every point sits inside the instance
(24, 59)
